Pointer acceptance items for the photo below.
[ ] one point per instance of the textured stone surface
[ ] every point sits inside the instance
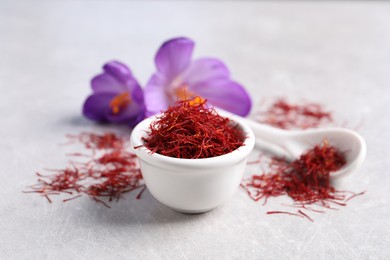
(329, 52)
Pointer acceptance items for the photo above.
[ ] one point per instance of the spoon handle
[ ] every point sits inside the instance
(268, 138)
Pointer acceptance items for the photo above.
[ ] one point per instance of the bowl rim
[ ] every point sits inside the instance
(167, 162)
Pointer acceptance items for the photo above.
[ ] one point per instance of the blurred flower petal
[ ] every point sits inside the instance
(205, 69)
(178, 77)
(106, 83)
(155, 96)
(97, 106)
(118, 70)
(174, 56)
(116, 77)
(126, 115)
(225, 94)
(117, 96)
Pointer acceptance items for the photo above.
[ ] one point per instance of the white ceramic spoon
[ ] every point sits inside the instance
(291, 144)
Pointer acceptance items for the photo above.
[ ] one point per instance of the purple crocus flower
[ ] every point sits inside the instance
(117, 97)
(179, 77)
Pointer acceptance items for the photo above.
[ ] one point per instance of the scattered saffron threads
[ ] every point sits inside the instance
(355, 195)
(108, 173)
(192, 130)
(306, 181)
(98, 141)
(299, 214)
(285, 115)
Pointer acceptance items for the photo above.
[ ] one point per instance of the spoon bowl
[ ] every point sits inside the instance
(292, 144)
(351, 144)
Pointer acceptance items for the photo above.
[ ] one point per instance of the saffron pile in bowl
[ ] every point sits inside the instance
(191, 130)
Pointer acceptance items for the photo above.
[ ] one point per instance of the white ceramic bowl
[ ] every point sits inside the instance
(191, 185)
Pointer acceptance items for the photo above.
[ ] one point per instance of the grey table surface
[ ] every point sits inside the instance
(335, 53)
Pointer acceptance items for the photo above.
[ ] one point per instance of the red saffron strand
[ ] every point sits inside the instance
(306, 180)
(106, 140)
(75, 197)
(141, 192)
(111, 174)
(285, 115)
(191, 130)
(305, 215)
(355, 195)
(284, 212)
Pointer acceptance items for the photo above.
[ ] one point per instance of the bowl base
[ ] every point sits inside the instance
(192, 212)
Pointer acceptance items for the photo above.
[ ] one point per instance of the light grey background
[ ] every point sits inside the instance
(334, 53)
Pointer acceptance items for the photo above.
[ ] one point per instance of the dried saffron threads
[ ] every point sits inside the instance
(98, 141)
(306, 180)
(285, 115)
(109, 171)
(191, 130)
(63, 181)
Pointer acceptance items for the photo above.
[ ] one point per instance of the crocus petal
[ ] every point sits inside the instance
(135, 120)
(225, 94)
(174, 56)
(137, 95)
(119, 70)
(205, 69)
(107, 83)
(97, 106)
(128, 115)
(134, 112)
(207, 77)
(156, 98)
(117, 77)
(116, 81)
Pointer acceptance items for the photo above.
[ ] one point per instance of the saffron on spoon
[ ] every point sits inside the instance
(306, 181)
